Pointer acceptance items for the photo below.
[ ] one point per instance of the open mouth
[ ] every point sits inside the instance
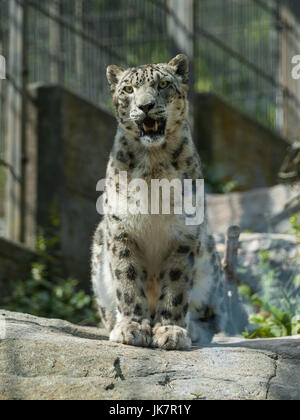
(152, 128)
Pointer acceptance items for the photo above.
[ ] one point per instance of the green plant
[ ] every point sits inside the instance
(46, 292)
(295, 225)
(274, 310)
(272, 321)
(198, 396)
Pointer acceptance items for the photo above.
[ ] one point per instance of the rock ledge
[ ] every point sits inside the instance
(53, 359)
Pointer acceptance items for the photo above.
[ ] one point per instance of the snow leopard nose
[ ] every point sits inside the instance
(146, 108)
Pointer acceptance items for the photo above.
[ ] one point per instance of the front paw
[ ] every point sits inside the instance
(132, 332)
(171, 337)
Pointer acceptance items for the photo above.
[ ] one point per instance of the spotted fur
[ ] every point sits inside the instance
(157, 281)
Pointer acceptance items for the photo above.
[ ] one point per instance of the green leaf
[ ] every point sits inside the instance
(296, 325)
(244, 290)
(296, 280)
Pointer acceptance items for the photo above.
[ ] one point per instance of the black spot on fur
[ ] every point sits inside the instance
(178, 300)
(166, 314)
(118, 274)
(122, 237)
(191, 259)
(125, 253)
(128, 299)
(138, 310)
(131, 273)
(135, 319)
(175, 164)
(175, 274)
(189, 161)
(121, 157)
(119, 294)
(183, 249)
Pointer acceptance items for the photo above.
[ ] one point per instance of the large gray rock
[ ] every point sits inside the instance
(53, 359)
(257, 210)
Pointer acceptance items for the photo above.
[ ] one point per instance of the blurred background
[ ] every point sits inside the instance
(56, 123)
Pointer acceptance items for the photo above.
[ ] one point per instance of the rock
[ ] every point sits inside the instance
(257, 210)
(53, 359)
(281, 248)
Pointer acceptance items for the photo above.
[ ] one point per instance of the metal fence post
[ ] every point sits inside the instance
(24, 157)
(180, 22)
(79, 48)
(55, 45)
(181, 31)
(14, 121)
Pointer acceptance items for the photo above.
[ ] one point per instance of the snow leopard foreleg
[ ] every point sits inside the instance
(170, 324)
(133, 314)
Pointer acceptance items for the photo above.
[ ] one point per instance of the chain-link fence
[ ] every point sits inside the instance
(240, 49)
(243, 53)
(72, 41)
(237, 52)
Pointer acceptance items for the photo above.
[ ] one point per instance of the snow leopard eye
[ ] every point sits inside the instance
(163, 84)
(128, 89)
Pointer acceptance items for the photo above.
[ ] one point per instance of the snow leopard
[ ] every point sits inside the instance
(158, 281)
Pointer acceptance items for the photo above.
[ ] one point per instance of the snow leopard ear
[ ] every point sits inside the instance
(180, 63)
(113, 74)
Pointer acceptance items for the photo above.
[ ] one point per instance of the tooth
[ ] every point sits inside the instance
(146, 128)
(155, 126)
